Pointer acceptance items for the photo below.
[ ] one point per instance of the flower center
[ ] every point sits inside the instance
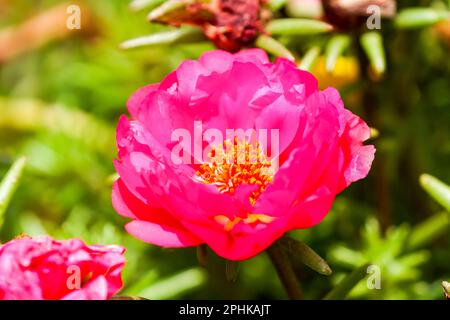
(234, 163)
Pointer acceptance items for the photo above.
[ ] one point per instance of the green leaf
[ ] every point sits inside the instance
(309, 59)
(437, 189)
(182, 35)
(165, 9)
(301, 251)
(335, 47)
(372, 44)
(347, 257)
(137, 5)
(175, 285)
(342, 289)
(30, 114)
(304, 9)
(429, 230)
(144, 281)
(9, 185)
(276, 5)
(231, 270)
(419, 17)
(297, 27)
(274, 47)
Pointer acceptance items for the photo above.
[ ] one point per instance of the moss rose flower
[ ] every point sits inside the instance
(235, 196)
(44, 269)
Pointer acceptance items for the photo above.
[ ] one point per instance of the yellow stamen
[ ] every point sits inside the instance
(229, 224)
(239, 163)
(233, 164)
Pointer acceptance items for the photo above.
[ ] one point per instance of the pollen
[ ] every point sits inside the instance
(235, 163)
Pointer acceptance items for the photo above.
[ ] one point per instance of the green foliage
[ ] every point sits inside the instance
(9, 185)
(293, 26)
(177, 36)
(336, 47)
(309, 58)
(437, 189)
(274, 47)
(420, 17)
(397, 255)
(372, 44)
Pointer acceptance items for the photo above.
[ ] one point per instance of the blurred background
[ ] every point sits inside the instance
(62, 91)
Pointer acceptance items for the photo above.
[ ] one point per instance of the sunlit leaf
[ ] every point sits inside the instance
(346, 257)
(178, 36)
(419, 17)
(27, 115)
(437, 189)
(372, 44)
(304, 9)
(274, 47)
(429, 230)
(145, 4)
(144, 281)
(414, 259)
(9, 185)
(165, 9)
(275, 5)
(335, 48)
(297, 27)
(309, 59)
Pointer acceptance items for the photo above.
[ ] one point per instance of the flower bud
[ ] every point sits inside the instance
(230, 24)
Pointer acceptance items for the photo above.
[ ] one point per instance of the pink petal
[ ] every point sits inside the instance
(93, 290)
(162, 236)
(139, 100)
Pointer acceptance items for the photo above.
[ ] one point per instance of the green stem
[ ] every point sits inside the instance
(285, 272)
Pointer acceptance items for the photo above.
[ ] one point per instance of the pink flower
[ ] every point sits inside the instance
(237, 208)
(41, 268)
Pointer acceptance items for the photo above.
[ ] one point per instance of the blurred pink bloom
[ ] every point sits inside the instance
(238, 210)
(41, 268)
